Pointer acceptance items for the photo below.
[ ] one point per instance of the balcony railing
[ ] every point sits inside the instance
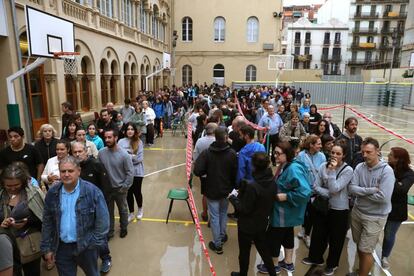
(396, 15)
(303, 58)
(337, 42)
(334, 58)
(297, 41)
(74, 10)
(365, 30)
(326, 42)
(380, 1)
(307, 41)
(386, 31)
(384, 46)
(363, 45)
(366, 15)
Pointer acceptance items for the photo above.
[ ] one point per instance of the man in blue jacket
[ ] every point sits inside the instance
(246, 153)
(75, 222)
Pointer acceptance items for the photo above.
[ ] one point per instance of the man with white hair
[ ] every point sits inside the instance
(333, 128)
(111, 110)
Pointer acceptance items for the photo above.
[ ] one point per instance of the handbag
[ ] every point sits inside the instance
(29, 246)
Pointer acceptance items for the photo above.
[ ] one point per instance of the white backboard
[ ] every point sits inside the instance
(48, 34)
(166, 60)
(280, 62)
(412, 60)
(3, 19)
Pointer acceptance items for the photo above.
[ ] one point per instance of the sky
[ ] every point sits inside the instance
(302, 2)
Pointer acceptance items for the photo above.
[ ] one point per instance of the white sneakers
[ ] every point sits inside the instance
(306, 239)
(140, 213)
(384, 263)
(131, 217)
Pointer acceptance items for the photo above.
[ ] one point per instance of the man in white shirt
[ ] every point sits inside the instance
(149, 118)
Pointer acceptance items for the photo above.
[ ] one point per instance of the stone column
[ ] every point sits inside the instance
(52, 96)
(117, 87)
(78, 92)
(127, 93)
(135, 79)
(108, 88)
(93, 95)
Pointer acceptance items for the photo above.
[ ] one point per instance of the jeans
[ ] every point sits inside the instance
(104, 252)
(67, 260)
(135, 190)
(391, 228)
(121, 202)
(218, 218)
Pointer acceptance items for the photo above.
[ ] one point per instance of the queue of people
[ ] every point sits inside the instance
(301, 172)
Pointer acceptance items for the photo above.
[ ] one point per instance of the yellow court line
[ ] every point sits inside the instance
(186, 222)
(411, 216)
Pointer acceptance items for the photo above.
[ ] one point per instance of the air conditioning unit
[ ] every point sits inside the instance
(267, 46)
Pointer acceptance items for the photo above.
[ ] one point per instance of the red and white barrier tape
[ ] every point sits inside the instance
(331, 107)
(193, 207)
(361, 115)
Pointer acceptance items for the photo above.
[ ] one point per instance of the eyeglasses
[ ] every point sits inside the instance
(277, 153)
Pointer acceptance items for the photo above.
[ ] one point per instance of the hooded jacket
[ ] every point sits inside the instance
(293, 181)
(219, 162)
(373, 189)
(255, 202)
(245, 160)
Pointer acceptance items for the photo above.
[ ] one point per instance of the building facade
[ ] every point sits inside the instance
(377, 30)
(408, 42)
(318, 46)
(120, 43)
(219, 42)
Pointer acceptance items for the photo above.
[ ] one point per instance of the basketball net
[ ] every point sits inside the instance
(70, 62)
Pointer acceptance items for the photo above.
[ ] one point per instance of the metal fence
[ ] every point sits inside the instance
(351, 91)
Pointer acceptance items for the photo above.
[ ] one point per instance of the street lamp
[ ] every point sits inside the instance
(394, 45)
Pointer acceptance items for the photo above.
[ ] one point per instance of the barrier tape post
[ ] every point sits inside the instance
(193, 207)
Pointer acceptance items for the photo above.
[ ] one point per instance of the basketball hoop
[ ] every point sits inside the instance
(70, 62)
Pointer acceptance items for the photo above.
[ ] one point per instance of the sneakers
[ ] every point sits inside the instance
(308, 261)
(123, 233)
(131, 217)
(262, 269)
(106, 266)
(224, 239)
(384, 263)
(287, 267)
(140, 213)
(329, 270)
(217, 249)
(301, 233)
(307, 240)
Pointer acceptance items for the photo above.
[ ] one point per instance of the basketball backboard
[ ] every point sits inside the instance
(166, 60)
(280, 62)
(48, 34)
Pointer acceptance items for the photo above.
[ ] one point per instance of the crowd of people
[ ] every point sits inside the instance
(268, 152)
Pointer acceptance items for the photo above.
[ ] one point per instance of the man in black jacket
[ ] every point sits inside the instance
(94, 172)
(219, 163)
(353, 141)
(254, 204)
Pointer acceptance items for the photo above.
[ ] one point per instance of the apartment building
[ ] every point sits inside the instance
(377, 29)
(224, 41)
(318, 46)
(120, 43)
(408, 42)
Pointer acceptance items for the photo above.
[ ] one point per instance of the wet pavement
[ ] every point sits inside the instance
(155, 248)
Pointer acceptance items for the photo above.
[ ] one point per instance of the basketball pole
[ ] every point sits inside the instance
(12, 107)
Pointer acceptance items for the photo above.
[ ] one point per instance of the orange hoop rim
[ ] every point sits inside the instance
(60, 54)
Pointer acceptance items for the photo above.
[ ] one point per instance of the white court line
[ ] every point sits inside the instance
(377, 260)
(397, 119)
(166, 169)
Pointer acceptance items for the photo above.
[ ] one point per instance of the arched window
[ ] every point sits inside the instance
(218, 74)
(251, 73)
(104, 86)
(187, 29)
(187, 75)
(252, 29)
(126, 12)
(219, 29)
(155, 16)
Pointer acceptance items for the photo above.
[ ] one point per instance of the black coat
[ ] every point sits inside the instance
(219, 162)
(94, 172)
(255, 202)
(46, 150)
(399, 196)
